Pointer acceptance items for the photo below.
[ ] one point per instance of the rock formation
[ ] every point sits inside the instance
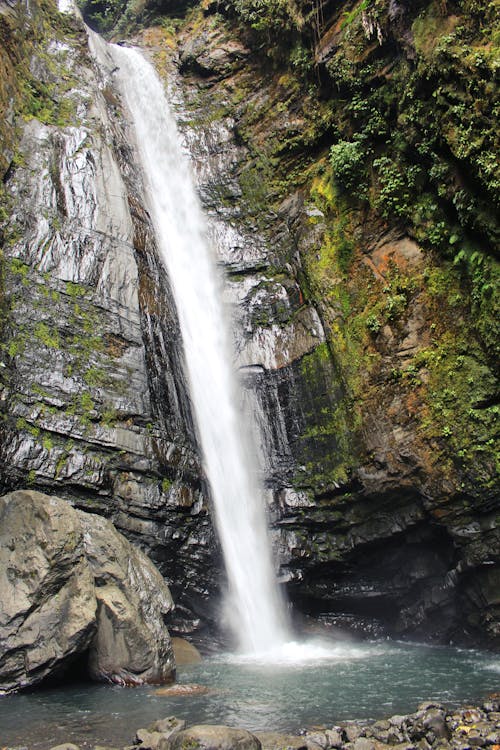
(356, 228)
(73, 587)
(91, 379)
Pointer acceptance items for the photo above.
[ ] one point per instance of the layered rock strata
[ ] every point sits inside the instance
(372, 531)
(93, 395)
(382, 520)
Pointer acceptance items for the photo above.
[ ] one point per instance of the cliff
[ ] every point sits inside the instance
(345, 157)
(94, 405)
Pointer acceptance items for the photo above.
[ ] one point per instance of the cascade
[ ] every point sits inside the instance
(254, 606)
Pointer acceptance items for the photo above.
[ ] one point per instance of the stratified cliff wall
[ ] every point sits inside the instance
(359, 215)
(343, 155)
(94, 403)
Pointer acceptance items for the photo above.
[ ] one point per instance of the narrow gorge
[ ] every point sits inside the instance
(345, 156)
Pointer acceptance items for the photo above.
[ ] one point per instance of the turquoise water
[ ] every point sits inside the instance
(355, 682)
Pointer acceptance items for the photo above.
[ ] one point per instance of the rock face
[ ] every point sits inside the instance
(71, 585)
(350, 338)
(132, 644)
(48, 605)
(377, 526)
(92, 384)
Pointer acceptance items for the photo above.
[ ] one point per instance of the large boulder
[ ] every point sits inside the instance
(70, 584)
(132, 644)
(47, 600)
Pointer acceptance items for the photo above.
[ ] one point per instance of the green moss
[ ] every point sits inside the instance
(16, 345)
(75, 290)
(47, 442)
(49, 337)
(95, 376)
(109, 417)
(350, 16)
(166, 485)
(461, 399)
(325, 450)
(86, 402)
(19, 268)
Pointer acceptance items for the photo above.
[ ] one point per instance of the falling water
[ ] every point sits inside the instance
(254, 604)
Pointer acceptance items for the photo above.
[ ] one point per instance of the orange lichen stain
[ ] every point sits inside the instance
(438, 513)
(413, 403)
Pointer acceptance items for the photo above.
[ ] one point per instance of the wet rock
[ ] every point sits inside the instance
(212, 737)
(185, 652)
(48, 604)
(132, 644)
(72, 585)
(93, 390)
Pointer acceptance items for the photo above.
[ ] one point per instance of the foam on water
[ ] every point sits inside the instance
(300, 653)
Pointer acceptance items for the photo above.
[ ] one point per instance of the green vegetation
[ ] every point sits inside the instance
(49, 337)
(166, 484)
(42, 81)
(404, 141)
(347, 159)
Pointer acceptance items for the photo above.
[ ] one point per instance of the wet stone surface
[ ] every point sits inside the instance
(431, 726)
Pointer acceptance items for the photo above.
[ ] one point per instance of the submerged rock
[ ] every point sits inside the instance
(185, 652)
(183, 690)
(72, 585)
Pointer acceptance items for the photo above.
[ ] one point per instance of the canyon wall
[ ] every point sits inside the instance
(350, 201)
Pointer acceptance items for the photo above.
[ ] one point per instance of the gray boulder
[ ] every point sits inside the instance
(132, 645)
(70, 584)
(211, 737)
(47, 600)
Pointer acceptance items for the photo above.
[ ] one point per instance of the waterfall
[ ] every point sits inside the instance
(253, 601)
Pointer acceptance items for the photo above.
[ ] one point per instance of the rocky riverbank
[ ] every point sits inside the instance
(431, 726)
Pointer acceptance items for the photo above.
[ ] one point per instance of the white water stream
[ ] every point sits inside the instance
(254, 605)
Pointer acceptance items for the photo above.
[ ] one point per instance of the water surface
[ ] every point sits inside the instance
(364, 681)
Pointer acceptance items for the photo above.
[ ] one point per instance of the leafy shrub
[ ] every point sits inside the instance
(373, 323)
(348, 163)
